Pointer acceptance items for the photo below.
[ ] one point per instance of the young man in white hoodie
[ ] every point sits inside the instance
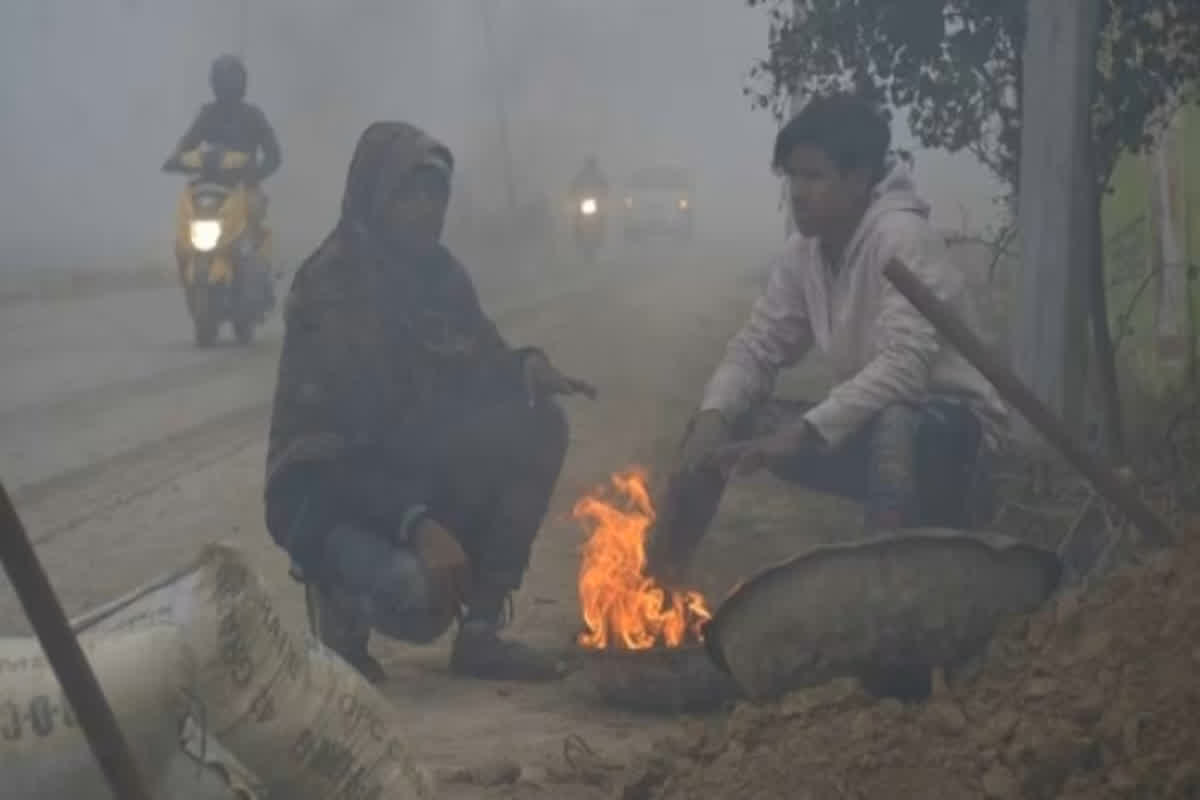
(906, 426)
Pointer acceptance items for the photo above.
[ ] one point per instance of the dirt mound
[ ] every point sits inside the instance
(1097, 696)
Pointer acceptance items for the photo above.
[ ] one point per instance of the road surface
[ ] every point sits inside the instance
(127, 450)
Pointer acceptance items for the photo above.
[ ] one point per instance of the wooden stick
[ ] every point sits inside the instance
(67, 658)
(1106, 482)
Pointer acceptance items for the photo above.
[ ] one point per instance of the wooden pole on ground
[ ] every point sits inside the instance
(1106, 482)
(67, 658)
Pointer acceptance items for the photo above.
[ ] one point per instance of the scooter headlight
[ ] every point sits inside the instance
(589, 206)
(205, 234)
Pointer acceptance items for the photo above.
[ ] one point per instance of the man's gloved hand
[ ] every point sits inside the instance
(191, 159)
(232, 160)
(542, 380)
(668, 539)
(445, 562)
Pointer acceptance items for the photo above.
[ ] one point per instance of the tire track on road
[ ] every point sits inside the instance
(61, 503)
(83, 402)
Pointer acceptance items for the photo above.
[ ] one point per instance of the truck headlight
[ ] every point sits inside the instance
(205, 234)
(589, 206)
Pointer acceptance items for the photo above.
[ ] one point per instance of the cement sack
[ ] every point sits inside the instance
(43, 753)
(295, 715)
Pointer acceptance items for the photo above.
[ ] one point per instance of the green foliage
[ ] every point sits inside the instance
(954, 66)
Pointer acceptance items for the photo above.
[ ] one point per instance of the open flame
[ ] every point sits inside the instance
(623, 608)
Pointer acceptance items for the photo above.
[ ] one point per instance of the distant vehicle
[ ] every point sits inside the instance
(590, 225)
(658, 202)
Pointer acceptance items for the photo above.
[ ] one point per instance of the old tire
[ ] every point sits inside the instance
(205, 331)
(205, 325)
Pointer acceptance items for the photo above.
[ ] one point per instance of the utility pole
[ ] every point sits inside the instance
(243, 28)
(795, 102)
(1054, 213)
(1173, 297)
(510, 185)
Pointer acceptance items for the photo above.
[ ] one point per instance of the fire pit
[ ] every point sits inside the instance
(670, 680)
(641, 646)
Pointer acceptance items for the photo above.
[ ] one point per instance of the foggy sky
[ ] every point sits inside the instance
(96, 93)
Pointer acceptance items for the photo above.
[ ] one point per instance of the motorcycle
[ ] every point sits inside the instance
(222, 246)
(589, 226)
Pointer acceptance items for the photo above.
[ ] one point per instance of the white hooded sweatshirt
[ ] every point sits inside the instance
(881, 348)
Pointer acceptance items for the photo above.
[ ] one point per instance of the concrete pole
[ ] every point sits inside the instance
(1054, 214)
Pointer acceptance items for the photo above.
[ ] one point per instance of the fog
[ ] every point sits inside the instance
(95, 94)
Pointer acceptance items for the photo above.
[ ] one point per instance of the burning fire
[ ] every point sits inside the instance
(622, 606)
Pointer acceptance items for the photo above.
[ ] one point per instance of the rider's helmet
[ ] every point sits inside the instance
(227, 77)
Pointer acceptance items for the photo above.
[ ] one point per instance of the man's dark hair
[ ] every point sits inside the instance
(848, 129)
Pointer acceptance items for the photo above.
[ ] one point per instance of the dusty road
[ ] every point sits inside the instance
(127, 451)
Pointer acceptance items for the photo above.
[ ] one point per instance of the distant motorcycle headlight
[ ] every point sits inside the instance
(205, 233)
(589, 206)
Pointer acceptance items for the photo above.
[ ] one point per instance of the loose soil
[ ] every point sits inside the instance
(1096, 696)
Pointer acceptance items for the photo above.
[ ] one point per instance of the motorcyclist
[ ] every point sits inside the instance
(230, 123)
(589, 186)
(412, 451)
(904, 430)
(590, 181)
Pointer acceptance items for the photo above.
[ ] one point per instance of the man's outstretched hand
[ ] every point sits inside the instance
(664, 562)
(543, 380)
(671, 538)
(746, 458)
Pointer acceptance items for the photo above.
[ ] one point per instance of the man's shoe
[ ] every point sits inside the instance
(333, 621)
(479, 652)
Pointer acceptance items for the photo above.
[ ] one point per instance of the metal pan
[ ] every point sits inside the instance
(897, 603)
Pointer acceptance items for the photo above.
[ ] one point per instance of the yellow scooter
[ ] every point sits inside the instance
(223, 246)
